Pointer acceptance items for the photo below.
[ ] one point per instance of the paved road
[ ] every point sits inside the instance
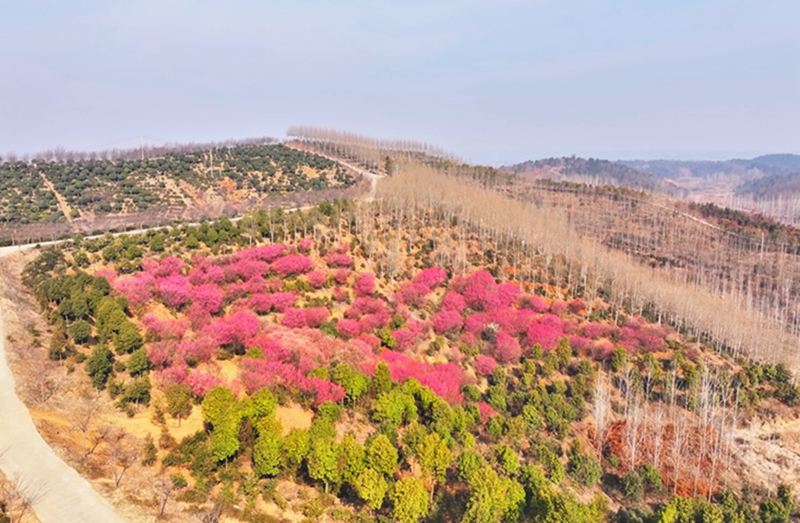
(59, 494)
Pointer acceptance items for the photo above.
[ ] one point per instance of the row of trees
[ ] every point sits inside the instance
(541, 245)
(750, 260)
(370, 152)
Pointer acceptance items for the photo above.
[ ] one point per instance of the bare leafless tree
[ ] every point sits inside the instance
(121, 452)
(18, 496)
(163, 489)
(84, 416)
(602, 410)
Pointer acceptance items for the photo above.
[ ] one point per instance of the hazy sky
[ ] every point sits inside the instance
(493, 81)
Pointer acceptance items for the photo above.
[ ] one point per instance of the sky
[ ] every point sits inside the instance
(495, 82)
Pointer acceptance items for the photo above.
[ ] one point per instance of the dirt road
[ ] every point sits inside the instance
(58, 493)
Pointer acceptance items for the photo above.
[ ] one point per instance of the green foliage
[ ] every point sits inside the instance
(354, 383)
(371, 486)
(472, 392)
(507, 459)
(267, 448)
(382, 455)
(352, 458)
(533, 421)
(179, 400)
(322, 461)
(493, 498)
(619, 359)
(632, 485)
(296, 446)
(138, 363)
(584, 470)
(99, 366)
(394, 406)
(80, 331)
(149, 452)
(382, 379)
(651, 476)
(777, 510)
(218, 404)
(468, 463)
(564, 352)
(262, 404)
(434, 456)
(495, 427)
(128, 338)
(410, 500)
(137, 391)
(221, 411)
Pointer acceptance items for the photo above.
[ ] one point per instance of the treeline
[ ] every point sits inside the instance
(60, 154)
(749, 259)
(372, 153)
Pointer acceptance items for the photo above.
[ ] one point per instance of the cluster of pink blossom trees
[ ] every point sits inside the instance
(505, 324)
(219, 303)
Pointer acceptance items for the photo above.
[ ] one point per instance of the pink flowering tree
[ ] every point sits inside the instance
(137, 289)
(169, 266)
(414, 294)
(338, 260)
(506, 348)
(486, 411)
(174, 290)
(201, 383)
(545, 335)
(454, 301)
(208, 296)
(430, 278)
(341, 275)
(447, 321)
(316, 316)
(365, 284)
(304, 245)
(292, 264)
(485, 365)
(294, 318)
(347, 328)
(316, 279)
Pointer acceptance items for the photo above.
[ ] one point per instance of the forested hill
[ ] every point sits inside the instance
(60, 196)
(767, 165)
(773, 186)
(594, 171)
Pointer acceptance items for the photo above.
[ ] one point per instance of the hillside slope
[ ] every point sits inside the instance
(52, 197)
(595, 172)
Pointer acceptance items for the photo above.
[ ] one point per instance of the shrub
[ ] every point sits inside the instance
(80, 331)
(632, 485)
(651, 476)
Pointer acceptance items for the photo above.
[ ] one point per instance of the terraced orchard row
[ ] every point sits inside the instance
(433, 396)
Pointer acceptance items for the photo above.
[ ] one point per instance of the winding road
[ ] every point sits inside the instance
(58, 494)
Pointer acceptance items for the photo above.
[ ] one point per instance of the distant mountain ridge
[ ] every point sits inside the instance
(595, 171)
(767, 165)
